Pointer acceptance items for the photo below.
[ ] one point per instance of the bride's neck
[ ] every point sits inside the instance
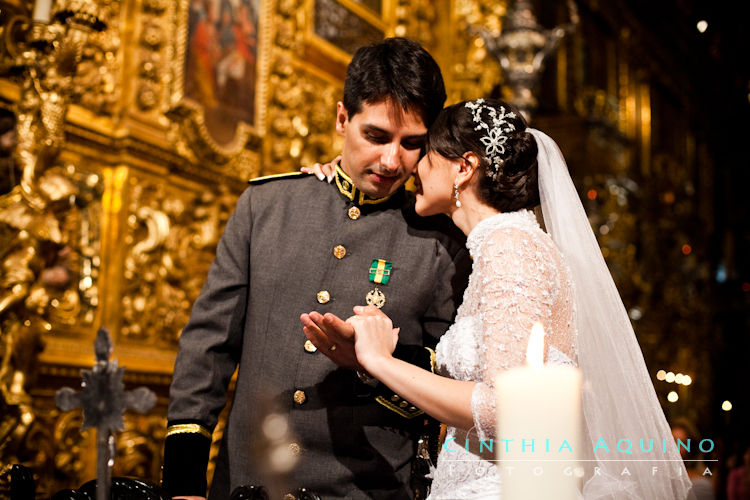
(471, 212)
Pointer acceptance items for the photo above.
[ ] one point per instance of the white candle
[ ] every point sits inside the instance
(42, 9)
(539, 428)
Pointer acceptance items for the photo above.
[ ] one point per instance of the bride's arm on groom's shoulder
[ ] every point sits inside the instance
(323, 171)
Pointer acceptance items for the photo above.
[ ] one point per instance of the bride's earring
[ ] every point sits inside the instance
(455, 191)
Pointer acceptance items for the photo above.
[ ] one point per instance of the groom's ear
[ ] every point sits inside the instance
(342, 118)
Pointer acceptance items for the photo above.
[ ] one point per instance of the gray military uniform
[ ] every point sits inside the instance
(295, 245)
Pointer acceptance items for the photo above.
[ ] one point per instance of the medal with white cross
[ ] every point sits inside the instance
(380, 273)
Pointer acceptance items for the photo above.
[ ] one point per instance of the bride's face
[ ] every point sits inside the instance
(434, 178)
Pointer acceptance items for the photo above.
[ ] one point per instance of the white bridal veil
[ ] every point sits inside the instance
(619, 402)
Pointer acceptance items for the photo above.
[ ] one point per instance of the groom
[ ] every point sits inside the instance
(293, 245)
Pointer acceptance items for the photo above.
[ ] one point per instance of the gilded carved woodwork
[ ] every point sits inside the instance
(50, 280)
(170, 244)
(50, 443)
(302, 111)
(415, 19)
(468, 68)
(302, 101)
(151, 89)
(124, 192)
(52, 261)
(95, 84)
(140, 446)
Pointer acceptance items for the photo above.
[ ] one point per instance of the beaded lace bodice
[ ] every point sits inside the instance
(519, 277)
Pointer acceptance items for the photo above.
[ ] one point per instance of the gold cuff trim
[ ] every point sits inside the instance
(349, 190)
(396, 408)
(433, 362)
(188, 429)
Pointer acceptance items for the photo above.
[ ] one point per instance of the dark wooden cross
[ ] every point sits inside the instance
(103, 400)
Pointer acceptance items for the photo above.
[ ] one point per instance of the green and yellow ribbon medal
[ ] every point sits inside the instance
(380, 273)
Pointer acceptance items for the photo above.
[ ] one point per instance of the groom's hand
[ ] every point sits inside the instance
(333, 337)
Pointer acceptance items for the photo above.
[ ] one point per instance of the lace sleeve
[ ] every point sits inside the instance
(520, 281)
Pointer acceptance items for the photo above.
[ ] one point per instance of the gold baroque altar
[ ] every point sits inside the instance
(136, 125)
(133, 138)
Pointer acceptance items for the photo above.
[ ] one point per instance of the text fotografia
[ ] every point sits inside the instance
(621, 446)
(577, 471)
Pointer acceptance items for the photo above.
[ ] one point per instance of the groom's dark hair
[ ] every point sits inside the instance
(396, 69)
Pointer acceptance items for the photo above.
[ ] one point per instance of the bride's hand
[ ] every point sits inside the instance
(374, 337)
(322, 171)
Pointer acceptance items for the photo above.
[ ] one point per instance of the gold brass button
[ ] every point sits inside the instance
(323, 297)
(395, 398)
(289, 496)
(295, 449)
(403, 404)
(300, 397)
(339, 252)
(310, 347)
(354, 213)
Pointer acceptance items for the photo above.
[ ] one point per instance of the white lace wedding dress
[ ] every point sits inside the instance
(518, 278)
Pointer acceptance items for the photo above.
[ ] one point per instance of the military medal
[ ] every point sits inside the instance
(375, 298)
(380, 273)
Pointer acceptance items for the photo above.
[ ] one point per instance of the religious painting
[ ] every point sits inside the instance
(374, 5)
(349, 24)
(220, 68)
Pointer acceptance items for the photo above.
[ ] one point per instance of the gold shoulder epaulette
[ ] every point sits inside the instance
(266, 178)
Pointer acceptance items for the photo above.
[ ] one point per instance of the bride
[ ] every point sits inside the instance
(488, 171)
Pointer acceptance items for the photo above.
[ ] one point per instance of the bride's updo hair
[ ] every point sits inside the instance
(508, 179)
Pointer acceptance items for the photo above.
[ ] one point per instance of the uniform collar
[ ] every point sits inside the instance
(347, 188)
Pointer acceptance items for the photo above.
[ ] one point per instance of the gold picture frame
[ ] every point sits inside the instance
(219, 77)
(348, 25)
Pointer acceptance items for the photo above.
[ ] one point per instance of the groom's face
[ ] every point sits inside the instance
(382, 145)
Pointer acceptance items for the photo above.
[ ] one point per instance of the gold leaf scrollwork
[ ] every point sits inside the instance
(140, 446)
(69, 441)
(472, 71)
(148, 95)
(49, 221)
(302, 106)
(171, 241)
(152, 40)
(50, 270)
(415, 19)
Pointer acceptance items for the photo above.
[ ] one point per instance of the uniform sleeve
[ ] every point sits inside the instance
(450, 282)
(208, 354)
(451, 277)
(519, 280)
